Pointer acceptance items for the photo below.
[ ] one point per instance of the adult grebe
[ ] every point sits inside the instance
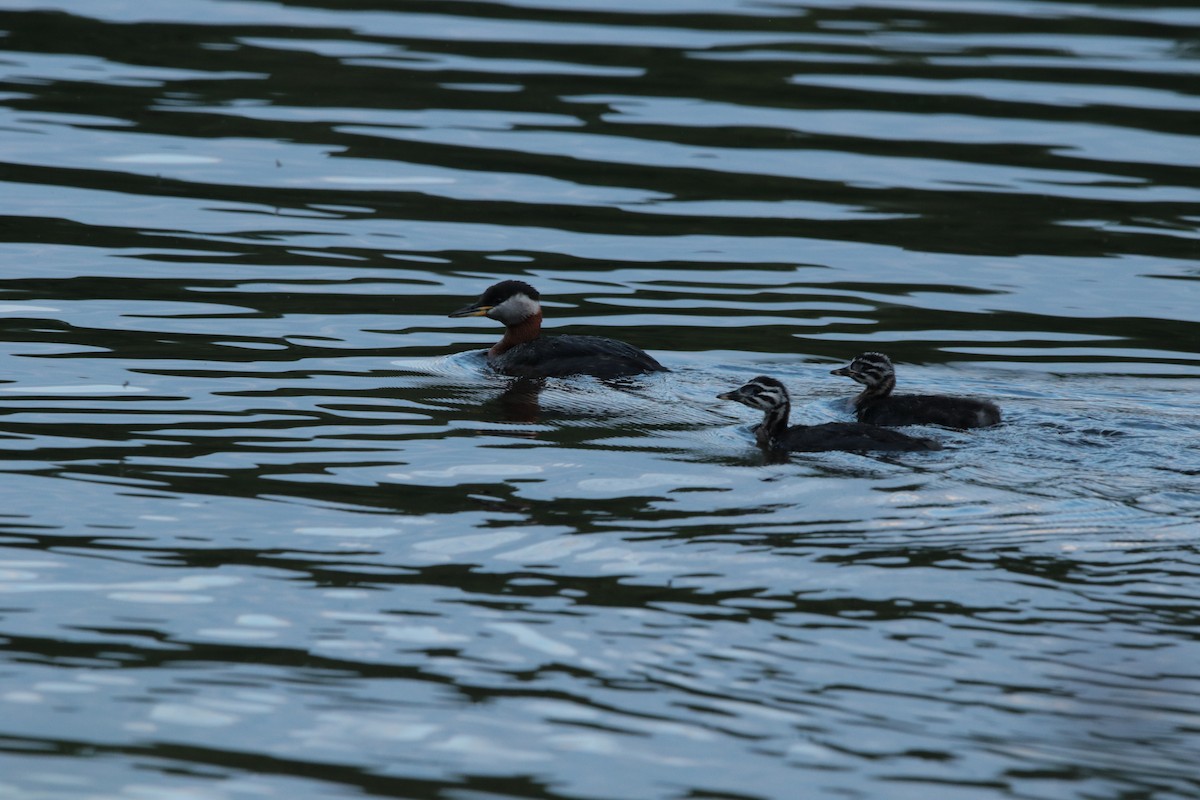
(877, 405)
(773, 433)
(524, 352)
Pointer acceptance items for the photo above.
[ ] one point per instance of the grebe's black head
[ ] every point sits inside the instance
(510, 302)
(869, 369)
(763, 393)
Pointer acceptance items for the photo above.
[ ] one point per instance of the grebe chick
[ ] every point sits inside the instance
(773, 433)
(877, 405)
(523, 352)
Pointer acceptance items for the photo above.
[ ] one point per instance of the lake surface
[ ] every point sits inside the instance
(272, 529)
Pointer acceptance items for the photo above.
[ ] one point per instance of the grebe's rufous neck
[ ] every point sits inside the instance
(524, 352)
(877, 405)
(773, 433)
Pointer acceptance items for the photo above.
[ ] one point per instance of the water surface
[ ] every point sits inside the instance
(271, 528)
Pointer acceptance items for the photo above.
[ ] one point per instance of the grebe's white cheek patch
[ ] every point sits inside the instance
(515, 309)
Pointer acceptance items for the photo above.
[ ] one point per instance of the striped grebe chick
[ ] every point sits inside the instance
(773, 433)
(877, 405)
(523, 352)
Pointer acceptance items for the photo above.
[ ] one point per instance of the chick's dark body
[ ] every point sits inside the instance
(929, 409)
(852, 436)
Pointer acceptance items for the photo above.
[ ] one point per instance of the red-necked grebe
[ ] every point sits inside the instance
(524, 352)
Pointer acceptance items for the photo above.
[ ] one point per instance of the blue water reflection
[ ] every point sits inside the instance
(270, 526)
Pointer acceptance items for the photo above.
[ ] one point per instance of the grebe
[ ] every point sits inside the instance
(877, 405)
(524, 352)
(773, 433)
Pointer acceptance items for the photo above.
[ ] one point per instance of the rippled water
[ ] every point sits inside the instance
(271, 529)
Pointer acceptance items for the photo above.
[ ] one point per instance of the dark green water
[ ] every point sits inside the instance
(271, 529)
